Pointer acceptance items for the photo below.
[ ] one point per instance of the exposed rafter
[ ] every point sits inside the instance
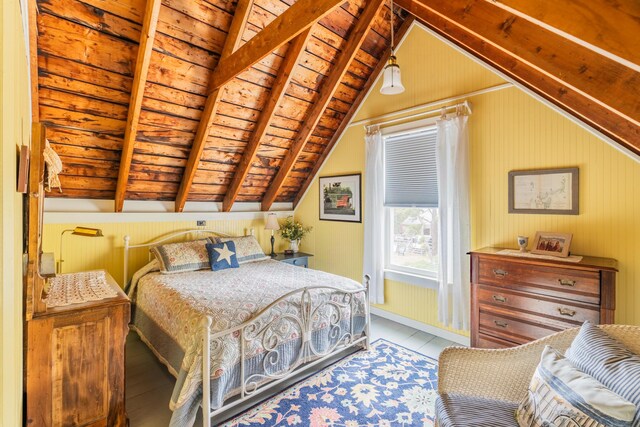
(294, 53)
(281, 30)
(300, 16)
(208, 114)
(147, 37)
(352, 111)
(597, 22)
(329, 86)
(599, 91)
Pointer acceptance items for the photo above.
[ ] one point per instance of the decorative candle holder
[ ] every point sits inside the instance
(523, 241)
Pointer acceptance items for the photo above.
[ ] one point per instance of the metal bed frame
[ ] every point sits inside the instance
(307, 355)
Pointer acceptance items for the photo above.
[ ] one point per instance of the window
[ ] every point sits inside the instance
(413, 242)
(411, 201)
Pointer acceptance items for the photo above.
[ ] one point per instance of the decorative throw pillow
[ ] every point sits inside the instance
(247, 248)
(609, 361)
(561, 395)
(183, 256)
(222, 255)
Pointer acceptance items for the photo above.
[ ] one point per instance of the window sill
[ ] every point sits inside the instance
(412, 279)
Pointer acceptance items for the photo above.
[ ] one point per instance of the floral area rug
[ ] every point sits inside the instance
(386, 386)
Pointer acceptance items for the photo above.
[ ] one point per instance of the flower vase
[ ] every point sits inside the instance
(293, 245)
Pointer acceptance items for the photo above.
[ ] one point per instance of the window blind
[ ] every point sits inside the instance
(410, 169)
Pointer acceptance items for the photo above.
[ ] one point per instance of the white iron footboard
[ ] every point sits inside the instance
(329, 305)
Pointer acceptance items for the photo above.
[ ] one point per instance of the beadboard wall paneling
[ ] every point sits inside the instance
(513, 131)
(15, 130)
(90, 253)
(509, 130)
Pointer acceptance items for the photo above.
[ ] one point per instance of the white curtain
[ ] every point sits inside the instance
(452, 159)
(374, 214)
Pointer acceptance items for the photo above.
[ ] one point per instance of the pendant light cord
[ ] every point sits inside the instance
(392, 41)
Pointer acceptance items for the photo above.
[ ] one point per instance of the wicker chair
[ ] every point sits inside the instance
(505, 374)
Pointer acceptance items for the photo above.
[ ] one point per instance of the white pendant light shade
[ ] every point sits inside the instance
(392, 80)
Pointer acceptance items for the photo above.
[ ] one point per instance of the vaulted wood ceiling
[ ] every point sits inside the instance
(232, 101)
(198, 100)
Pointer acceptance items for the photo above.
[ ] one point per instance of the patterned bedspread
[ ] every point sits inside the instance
(170, 308)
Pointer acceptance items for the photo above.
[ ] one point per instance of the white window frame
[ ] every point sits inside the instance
(412, 276)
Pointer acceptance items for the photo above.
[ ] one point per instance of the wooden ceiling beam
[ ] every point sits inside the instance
(147, 37)
(328, 88)
(231, 43)
(294, 53)
(595, 89)
(599, 23)
(399, 34)
(300, 16)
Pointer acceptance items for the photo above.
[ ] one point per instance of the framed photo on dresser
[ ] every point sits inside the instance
(554, 244)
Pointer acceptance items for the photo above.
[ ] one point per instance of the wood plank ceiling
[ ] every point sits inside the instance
(241, 101)
(201, 99)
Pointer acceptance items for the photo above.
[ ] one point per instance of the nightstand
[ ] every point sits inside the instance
(299, 259)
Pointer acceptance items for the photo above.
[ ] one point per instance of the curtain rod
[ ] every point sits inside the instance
(374, 120)
(442, 110)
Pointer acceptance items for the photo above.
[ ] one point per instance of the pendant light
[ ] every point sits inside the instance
(392, 81)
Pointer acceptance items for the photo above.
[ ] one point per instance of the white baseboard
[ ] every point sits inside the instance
(442, 333)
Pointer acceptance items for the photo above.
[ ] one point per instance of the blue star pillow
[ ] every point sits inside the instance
(222, 255)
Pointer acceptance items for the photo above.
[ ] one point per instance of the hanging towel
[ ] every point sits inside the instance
(54, 167)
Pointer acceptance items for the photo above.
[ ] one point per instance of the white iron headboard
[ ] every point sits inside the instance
(128, 246)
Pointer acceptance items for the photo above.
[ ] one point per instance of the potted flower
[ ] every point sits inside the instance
(294, 232)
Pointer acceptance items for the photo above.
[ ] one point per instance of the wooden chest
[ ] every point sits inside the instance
(75, 364)
(515, 300)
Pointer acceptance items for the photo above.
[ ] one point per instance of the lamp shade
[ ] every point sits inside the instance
(272, 222)
(392, 80)
(87, 232)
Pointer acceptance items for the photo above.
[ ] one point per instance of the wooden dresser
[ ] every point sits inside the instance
(515, 300)
(75, 364)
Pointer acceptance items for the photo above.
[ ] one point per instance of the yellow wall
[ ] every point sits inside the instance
(14, 124)
(85, 253)
(509, 130)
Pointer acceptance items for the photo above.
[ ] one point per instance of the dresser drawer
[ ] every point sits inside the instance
(299, 262)
(566, 283)
(513, 330)
(562, 310)
(488, 341)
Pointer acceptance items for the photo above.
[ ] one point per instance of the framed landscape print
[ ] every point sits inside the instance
(544, 191)
(340, 198)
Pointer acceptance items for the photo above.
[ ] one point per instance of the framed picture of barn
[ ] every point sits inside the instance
(340, 198)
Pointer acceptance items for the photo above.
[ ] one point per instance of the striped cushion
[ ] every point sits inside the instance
(561, 395)
(247, 248)
(453, 410)
(608, 361)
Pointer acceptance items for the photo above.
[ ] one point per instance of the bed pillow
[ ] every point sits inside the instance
(247, 248)
(560, 394)
(609, 361)
(222, 255)
(183, 256)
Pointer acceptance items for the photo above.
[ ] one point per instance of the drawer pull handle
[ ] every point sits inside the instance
(500, 324)
(499, 298)
(499, 272)
(566, 311)
(567, 282)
